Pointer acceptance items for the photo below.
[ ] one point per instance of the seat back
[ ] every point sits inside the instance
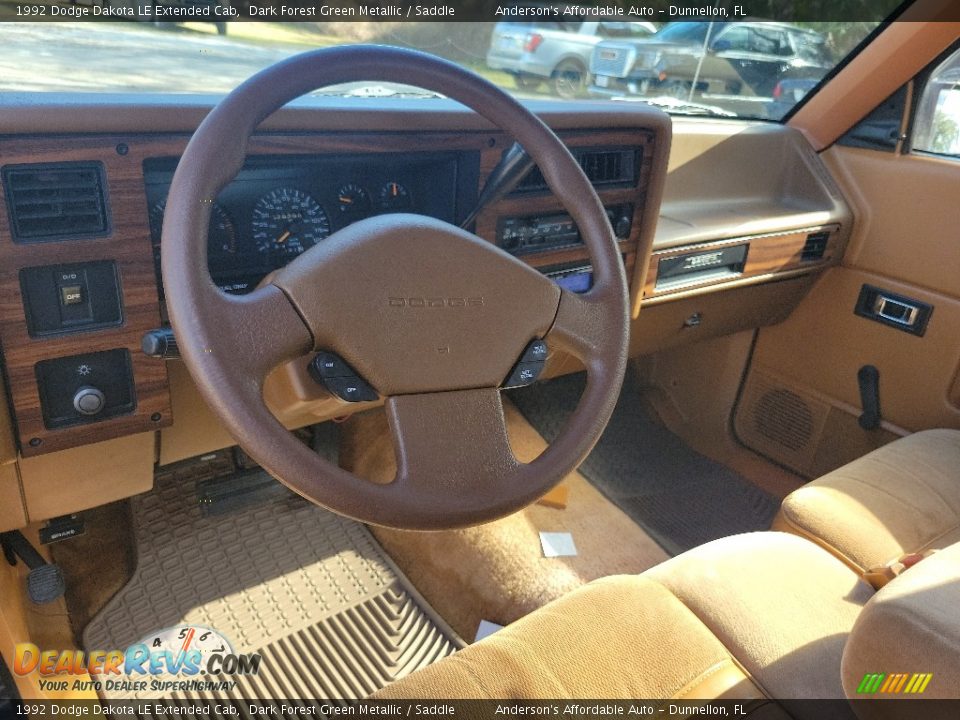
(906, 641)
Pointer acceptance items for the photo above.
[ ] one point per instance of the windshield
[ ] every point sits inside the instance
(738, 69)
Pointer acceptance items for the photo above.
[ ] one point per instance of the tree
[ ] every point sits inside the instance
(945, 137)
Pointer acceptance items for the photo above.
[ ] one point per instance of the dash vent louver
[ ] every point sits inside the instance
(56, 201)
(603, 167)
(815, 246)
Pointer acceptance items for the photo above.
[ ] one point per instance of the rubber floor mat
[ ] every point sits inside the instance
(309, 591)
(681, 498)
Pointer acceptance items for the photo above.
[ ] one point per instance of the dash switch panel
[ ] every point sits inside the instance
(60, 299)
(85, 388)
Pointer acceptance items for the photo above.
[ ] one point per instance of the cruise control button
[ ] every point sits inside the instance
(328, 365)
(350, 389)
(332, 371)
(525, 373)
(536, 352)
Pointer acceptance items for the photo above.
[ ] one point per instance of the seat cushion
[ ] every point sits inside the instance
(728, 619)
(901, 498)
(606, 639)
(781, 605)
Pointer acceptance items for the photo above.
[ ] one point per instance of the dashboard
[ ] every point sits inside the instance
(279, 207)
(80, 281)
(80, 286)
(722, 227)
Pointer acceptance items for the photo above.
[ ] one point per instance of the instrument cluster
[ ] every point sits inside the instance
(280, 207)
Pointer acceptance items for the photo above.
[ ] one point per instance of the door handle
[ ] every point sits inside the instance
(898, 311)
(895, 310)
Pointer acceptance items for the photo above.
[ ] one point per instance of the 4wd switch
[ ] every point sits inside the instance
(61, 299)
(71, 294)
(340, 379)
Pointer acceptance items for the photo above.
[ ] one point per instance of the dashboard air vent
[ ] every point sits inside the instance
(55, 201)
(602, 167)
(815, 246)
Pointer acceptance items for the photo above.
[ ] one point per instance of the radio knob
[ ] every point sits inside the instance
(622, 228)
(89, 400)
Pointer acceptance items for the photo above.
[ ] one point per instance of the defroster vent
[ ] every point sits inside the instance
(56, 201)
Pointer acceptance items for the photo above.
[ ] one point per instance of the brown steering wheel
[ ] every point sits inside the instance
(455, 465)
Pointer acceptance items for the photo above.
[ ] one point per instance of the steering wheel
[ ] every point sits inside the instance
(438, 364)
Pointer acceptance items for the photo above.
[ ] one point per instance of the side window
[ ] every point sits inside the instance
(769, 42)
(641, 29)
(611, 29)
(811, 48)
(736, 38)
(936, 127)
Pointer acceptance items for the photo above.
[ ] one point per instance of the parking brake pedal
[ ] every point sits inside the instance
(45, 581)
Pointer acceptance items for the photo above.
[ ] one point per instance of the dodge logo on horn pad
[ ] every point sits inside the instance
(434, 302)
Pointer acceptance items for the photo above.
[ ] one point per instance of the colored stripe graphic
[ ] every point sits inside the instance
(918, 685)
(894, 683)
(870, 683)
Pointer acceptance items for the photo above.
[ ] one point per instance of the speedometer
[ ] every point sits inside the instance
(286, 222)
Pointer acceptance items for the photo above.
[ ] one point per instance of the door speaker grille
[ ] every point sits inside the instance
(783, 417)
(779, 421)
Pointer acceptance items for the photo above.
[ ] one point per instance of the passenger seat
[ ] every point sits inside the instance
(901, 499)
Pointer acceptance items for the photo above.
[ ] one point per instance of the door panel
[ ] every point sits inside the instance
(803, 377)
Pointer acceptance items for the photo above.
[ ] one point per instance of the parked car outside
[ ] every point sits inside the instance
(787, 93)
(556, 51)
(720, 58)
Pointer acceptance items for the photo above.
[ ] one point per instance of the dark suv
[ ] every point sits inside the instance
(717, 58)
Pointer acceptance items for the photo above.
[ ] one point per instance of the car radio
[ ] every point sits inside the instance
(536, 233)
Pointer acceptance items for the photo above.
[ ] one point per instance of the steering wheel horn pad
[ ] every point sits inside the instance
(417, 305)
(432, 316)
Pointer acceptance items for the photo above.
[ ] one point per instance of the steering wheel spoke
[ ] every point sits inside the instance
(583, 326)
(452, 445)
(254, 333)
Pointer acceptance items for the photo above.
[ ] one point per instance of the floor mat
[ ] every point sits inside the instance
(680, 497)
(310, 591)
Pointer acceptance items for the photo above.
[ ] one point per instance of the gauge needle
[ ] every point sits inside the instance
(184, 647)
(283, 238)
(346, 200)
(188, 640)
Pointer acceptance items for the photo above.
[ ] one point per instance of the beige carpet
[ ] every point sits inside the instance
(497, 571)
